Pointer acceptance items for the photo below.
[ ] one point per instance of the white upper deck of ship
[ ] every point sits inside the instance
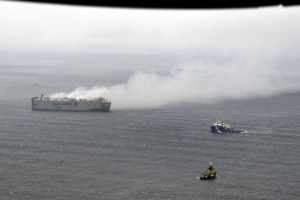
(42, 97)
(221, 123)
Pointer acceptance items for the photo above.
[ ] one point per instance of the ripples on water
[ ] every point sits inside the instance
(145, 153)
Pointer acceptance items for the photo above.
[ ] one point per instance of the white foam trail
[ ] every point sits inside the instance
(151, 90)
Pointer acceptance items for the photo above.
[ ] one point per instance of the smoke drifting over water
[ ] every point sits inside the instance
(152, 90)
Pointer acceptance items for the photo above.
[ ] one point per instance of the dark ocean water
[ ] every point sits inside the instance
(143, 153)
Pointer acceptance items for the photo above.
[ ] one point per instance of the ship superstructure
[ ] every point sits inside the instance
(70, 104)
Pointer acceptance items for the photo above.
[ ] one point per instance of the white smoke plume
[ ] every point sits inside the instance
(151, 90)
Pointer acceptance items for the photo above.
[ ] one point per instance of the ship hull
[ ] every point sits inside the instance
(221, 129)
(87, 110)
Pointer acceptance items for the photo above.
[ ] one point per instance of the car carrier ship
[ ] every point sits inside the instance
(70, 104)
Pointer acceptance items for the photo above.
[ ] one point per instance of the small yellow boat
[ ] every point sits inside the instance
(210, 173)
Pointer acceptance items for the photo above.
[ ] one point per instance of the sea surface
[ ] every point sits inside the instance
(156, 153)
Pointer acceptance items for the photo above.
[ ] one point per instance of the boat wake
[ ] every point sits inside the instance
(273, 133)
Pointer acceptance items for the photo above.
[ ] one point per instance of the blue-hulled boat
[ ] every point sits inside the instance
(222, 127)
